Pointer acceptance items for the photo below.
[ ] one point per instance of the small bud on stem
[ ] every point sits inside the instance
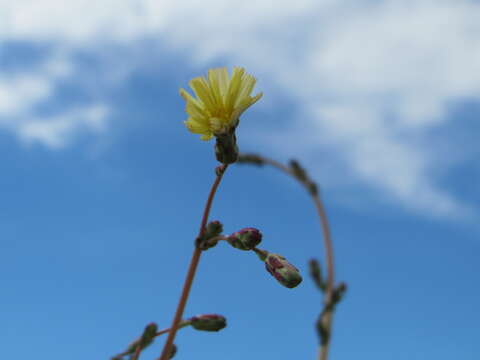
(212, 230)
(245, 239)
(316, 274)
(208, 322)
(173, 351)
(285, 273)
(339, 292)
(298, 171)
(145, 340)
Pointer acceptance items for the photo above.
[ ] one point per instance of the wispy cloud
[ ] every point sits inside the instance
(22, 91)
(56, 131)
(371, 78)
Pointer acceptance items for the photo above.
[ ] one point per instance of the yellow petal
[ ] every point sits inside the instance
(248, 83)
(223, 81)
(201, 90)
(256, 98)
(234, 87)
(214, 82)
(197, 127)
(206, 137)
(216, 124)
(186, 95)
(195, 111)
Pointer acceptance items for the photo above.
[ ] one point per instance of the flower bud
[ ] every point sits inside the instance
(286, 274)
(208, 322)
(339, 292)
(145, 340)
(245, 239)
(316, 274)
(173, 351)
(298, 171)
(212, 230)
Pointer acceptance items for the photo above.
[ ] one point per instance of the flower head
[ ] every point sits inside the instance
(219, 102)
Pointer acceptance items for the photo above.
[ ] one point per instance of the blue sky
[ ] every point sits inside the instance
(104, 187)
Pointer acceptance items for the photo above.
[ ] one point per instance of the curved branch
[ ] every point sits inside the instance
(324, 322)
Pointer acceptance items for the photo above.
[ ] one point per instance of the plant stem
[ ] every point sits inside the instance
(164, 331)
(327, 241)
(161, 332)
(191, 269)
(136, 355)
(323, 349)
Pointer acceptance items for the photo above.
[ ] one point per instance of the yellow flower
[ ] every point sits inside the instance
(219, 101)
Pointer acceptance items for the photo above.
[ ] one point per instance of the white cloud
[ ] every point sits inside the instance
(385, 160)
(56, 131)
(19, 92)
(371, 77)
(22, 91)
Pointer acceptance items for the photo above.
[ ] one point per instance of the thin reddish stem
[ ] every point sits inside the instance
(138, 350)
(161, 332)
(192, 268)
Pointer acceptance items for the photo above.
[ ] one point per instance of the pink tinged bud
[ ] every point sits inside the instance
(211, 231)
(245, 239)
(285, 273)
(208, 322)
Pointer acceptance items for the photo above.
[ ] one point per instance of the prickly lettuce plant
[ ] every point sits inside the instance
(214, 112)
